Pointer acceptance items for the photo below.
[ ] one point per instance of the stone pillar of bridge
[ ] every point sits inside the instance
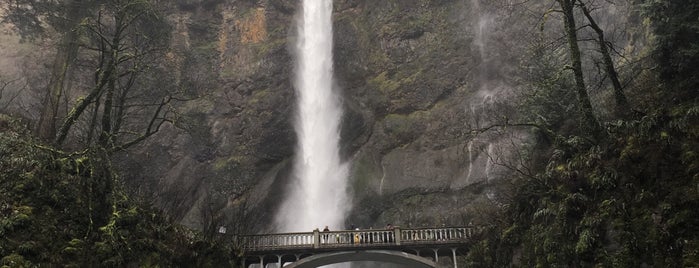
(396, 235)
(316, 238)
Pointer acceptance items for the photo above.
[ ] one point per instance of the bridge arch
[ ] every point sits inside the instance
(396, 257)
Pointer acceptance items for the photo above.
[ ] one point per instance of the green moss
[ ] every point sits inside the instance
(207, 48)
(410, 75)
(404, 128)
(269, 46)
(389, 91)
(414, 200)
(225, 165)
(383, 83)
(197, 112)
(364, 171)
(367, 39)
(259, 96)
(398, 124)
(220, 164)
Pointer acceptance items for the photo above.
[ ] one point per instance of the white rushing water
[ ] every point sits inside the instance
(317, 196)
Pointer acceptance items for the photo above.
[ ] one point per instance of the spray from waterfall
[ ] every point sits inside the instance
(317, 196)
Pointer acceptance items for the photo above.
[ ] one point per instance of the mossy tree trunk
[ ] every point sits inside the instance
(590, 122)
(115, 46)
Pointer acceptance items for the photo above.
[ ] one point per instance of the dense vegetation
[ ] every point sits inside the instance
(626, 197)
(61, 200)
(69, 210)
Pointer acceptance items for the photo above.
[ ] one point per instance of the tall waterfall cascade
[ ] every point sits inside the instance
(317, 196)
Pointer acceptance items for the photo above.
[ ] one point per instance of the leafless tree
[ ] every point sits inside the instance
(131, 96)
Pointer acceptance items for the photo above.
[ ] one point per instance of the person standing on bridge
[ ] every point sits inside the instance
(349, 237)
(388, 237)
(325, 235)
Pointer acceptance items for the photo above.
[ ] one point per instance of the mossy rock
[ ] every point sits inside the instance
(365, 170)
(404, 129)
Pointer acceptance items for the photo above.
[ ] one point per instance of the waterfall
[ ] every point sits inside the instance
(489, 89)
(485, 23)
(317, 195)
(492, 93)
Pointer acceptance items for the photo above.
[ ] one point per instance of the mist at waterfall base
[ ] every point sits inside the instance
(317, 196)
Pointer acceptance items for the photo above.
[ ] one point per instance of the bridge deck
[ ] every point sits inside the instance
(396, 239)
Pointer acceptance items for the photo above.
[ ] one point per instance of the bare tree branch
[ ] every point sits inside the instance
(10, 101)
(622, 104)
(153, 127)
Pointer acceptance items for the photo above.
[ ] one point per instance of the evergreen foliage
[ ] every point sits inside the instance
(69, 210)
(627, 200)
(676, 31)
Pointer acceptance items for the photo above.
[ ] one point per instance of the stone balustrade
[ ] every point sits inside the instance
(356, 238)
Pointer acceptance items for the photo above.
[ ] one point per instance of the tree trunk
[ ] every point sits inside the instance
(105, 139)
(83, 103)
(67, 51)
(93, 123)
(106, 133)
(622, 104)
(589, 120)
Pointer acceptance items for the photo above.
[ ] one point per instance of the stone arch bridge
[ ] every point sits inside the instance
(410, 247)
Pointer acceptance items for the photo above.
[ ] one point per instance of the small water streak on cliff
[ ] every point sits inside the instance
(317, 195)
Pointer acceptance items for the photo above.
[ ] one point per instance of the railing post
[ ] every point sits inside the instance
(316, 238)
(396, 235)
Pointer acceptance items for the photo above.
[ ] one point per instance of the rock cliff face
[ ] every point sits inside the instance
(415, 80)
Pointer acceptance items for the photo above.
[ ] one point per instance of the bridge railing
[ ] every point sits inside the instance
(357, 238)
(438, 235)
(283, 240)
